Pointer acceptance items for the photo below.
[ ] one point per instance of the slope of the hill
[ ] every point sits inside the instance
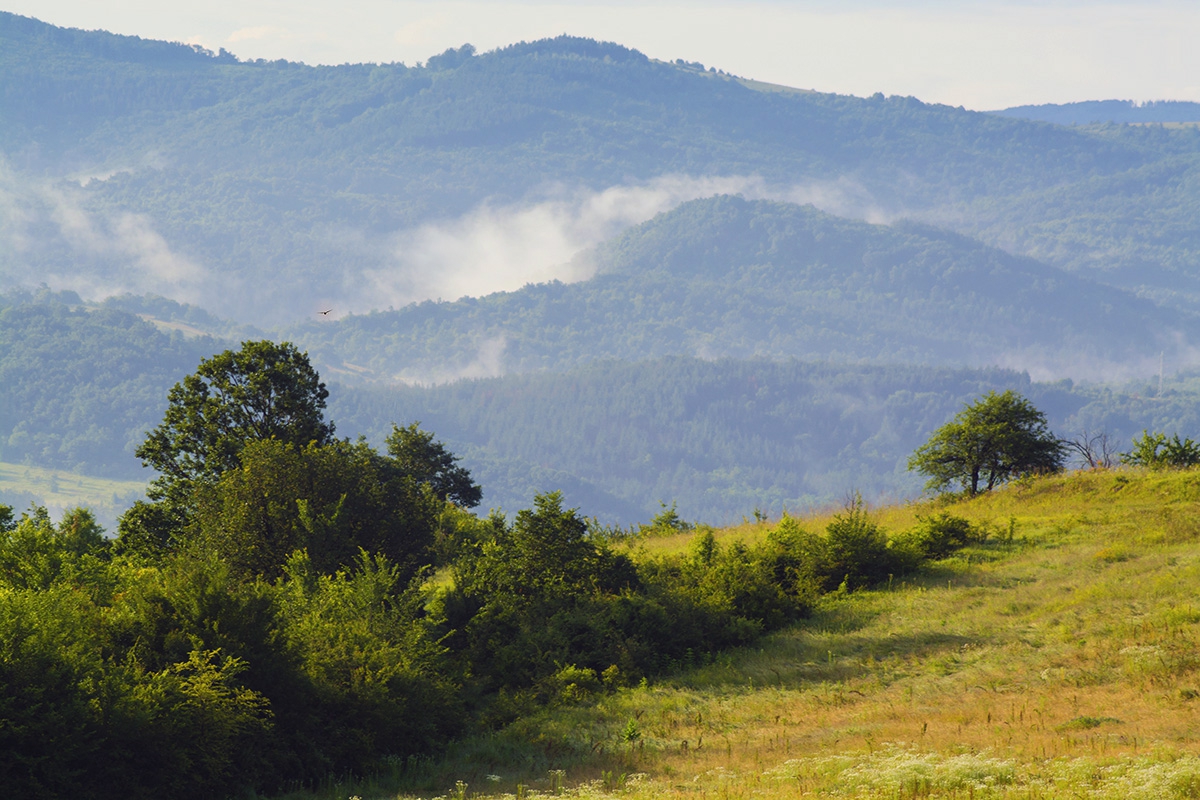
(263, 189)
(720, 439)
(1091, 112)
(79, 386)
(1056, 659)
(728, 277)
(723, 439)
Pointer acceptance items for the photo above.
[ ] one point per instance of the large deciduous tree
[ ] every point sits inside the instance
(992, 440)
(262, 391)
(331, 501)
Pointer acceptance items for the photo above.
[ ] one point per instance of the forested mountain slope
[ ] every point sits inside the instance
(1101, 111)
(719, 438)
(264, 189)
(727, 277)
(80, 385)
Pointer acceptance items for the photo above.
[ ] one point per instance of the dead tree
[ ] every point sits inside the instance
(1093, 449)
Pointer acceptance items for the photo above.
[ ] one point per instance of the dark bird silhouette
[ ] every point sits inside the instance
(325, 312)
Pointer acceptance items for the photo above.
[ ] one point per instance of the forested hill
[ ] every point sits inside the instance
(1101, 111)
(719, 438)
(728, 277)
(261, 190)
(80, 385)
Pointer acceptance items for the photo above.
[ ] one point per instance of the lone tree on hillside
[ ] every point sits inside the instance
(994, 439)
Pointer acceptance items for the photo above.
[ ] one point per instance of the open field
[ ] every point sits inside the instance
(59, 490)
(1058, 659)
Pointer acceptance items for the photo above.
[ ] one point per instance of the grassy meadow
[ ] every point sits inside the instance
(21, 484)
(1059, 658)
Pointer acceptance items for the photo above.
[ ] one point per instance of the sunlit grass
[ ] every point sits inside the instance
(1061, 662)
(59, 490)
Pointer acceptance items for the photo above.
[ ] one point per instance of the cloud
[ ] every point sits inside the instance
(487, 363)
(1076, 362)
(501, 248)
(48, 235)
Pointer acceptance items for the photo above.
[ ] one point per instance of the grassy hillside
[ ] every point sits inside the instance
(21, 485)
(1057, 659)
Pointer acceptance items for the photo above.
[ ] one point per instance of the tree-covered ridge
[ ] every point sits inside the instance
(80, 385)
(728, 277)
(62, 83)
(264, 174)
(1100, 111)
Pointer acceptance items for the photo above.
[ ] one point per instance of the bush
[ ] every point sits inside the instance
(1156, 451)
(939, 536)
(856, 550)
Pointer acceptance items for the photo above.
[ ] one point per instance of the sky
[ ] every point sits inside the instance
(981, 55)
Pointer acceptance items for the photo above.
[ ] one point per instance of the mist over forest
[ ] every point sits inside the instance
(637, 281)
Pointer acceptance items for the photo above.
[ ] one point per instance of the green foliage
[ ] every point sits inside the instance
(857, 553)
(419, 456)
(330, 500)
(540, 586)
(941, 534)
(1156, 451)
(262, 391)
(85, 718)
(721, 596)
(37, 554)
(991, 441)
(379, 671)
(187, 678)
(666, 522)
(182, 681)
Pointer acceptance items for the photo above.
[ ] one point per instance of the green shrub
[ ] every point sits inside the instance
(857, 553)
(940, 535)
(1156, 451)
(36, 554)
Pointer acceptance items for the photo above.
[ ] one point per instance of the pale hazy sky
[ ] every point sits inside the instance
(982, 55)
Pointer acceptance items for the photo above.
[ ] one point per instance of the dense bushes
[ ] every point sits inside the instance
(289, 606)
(124, 678)
(184, 674)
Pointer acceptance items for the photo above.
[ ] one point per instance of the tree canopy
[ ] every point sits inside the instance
(262, 391)
(992, 440)
(417, 454)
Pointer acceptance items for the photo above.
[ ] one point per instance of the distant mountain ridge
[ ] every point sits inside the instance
(261, 189)
(1100, 111)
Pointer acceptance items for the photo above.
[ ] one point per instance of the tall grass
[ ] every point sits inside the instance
(1059, 658)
